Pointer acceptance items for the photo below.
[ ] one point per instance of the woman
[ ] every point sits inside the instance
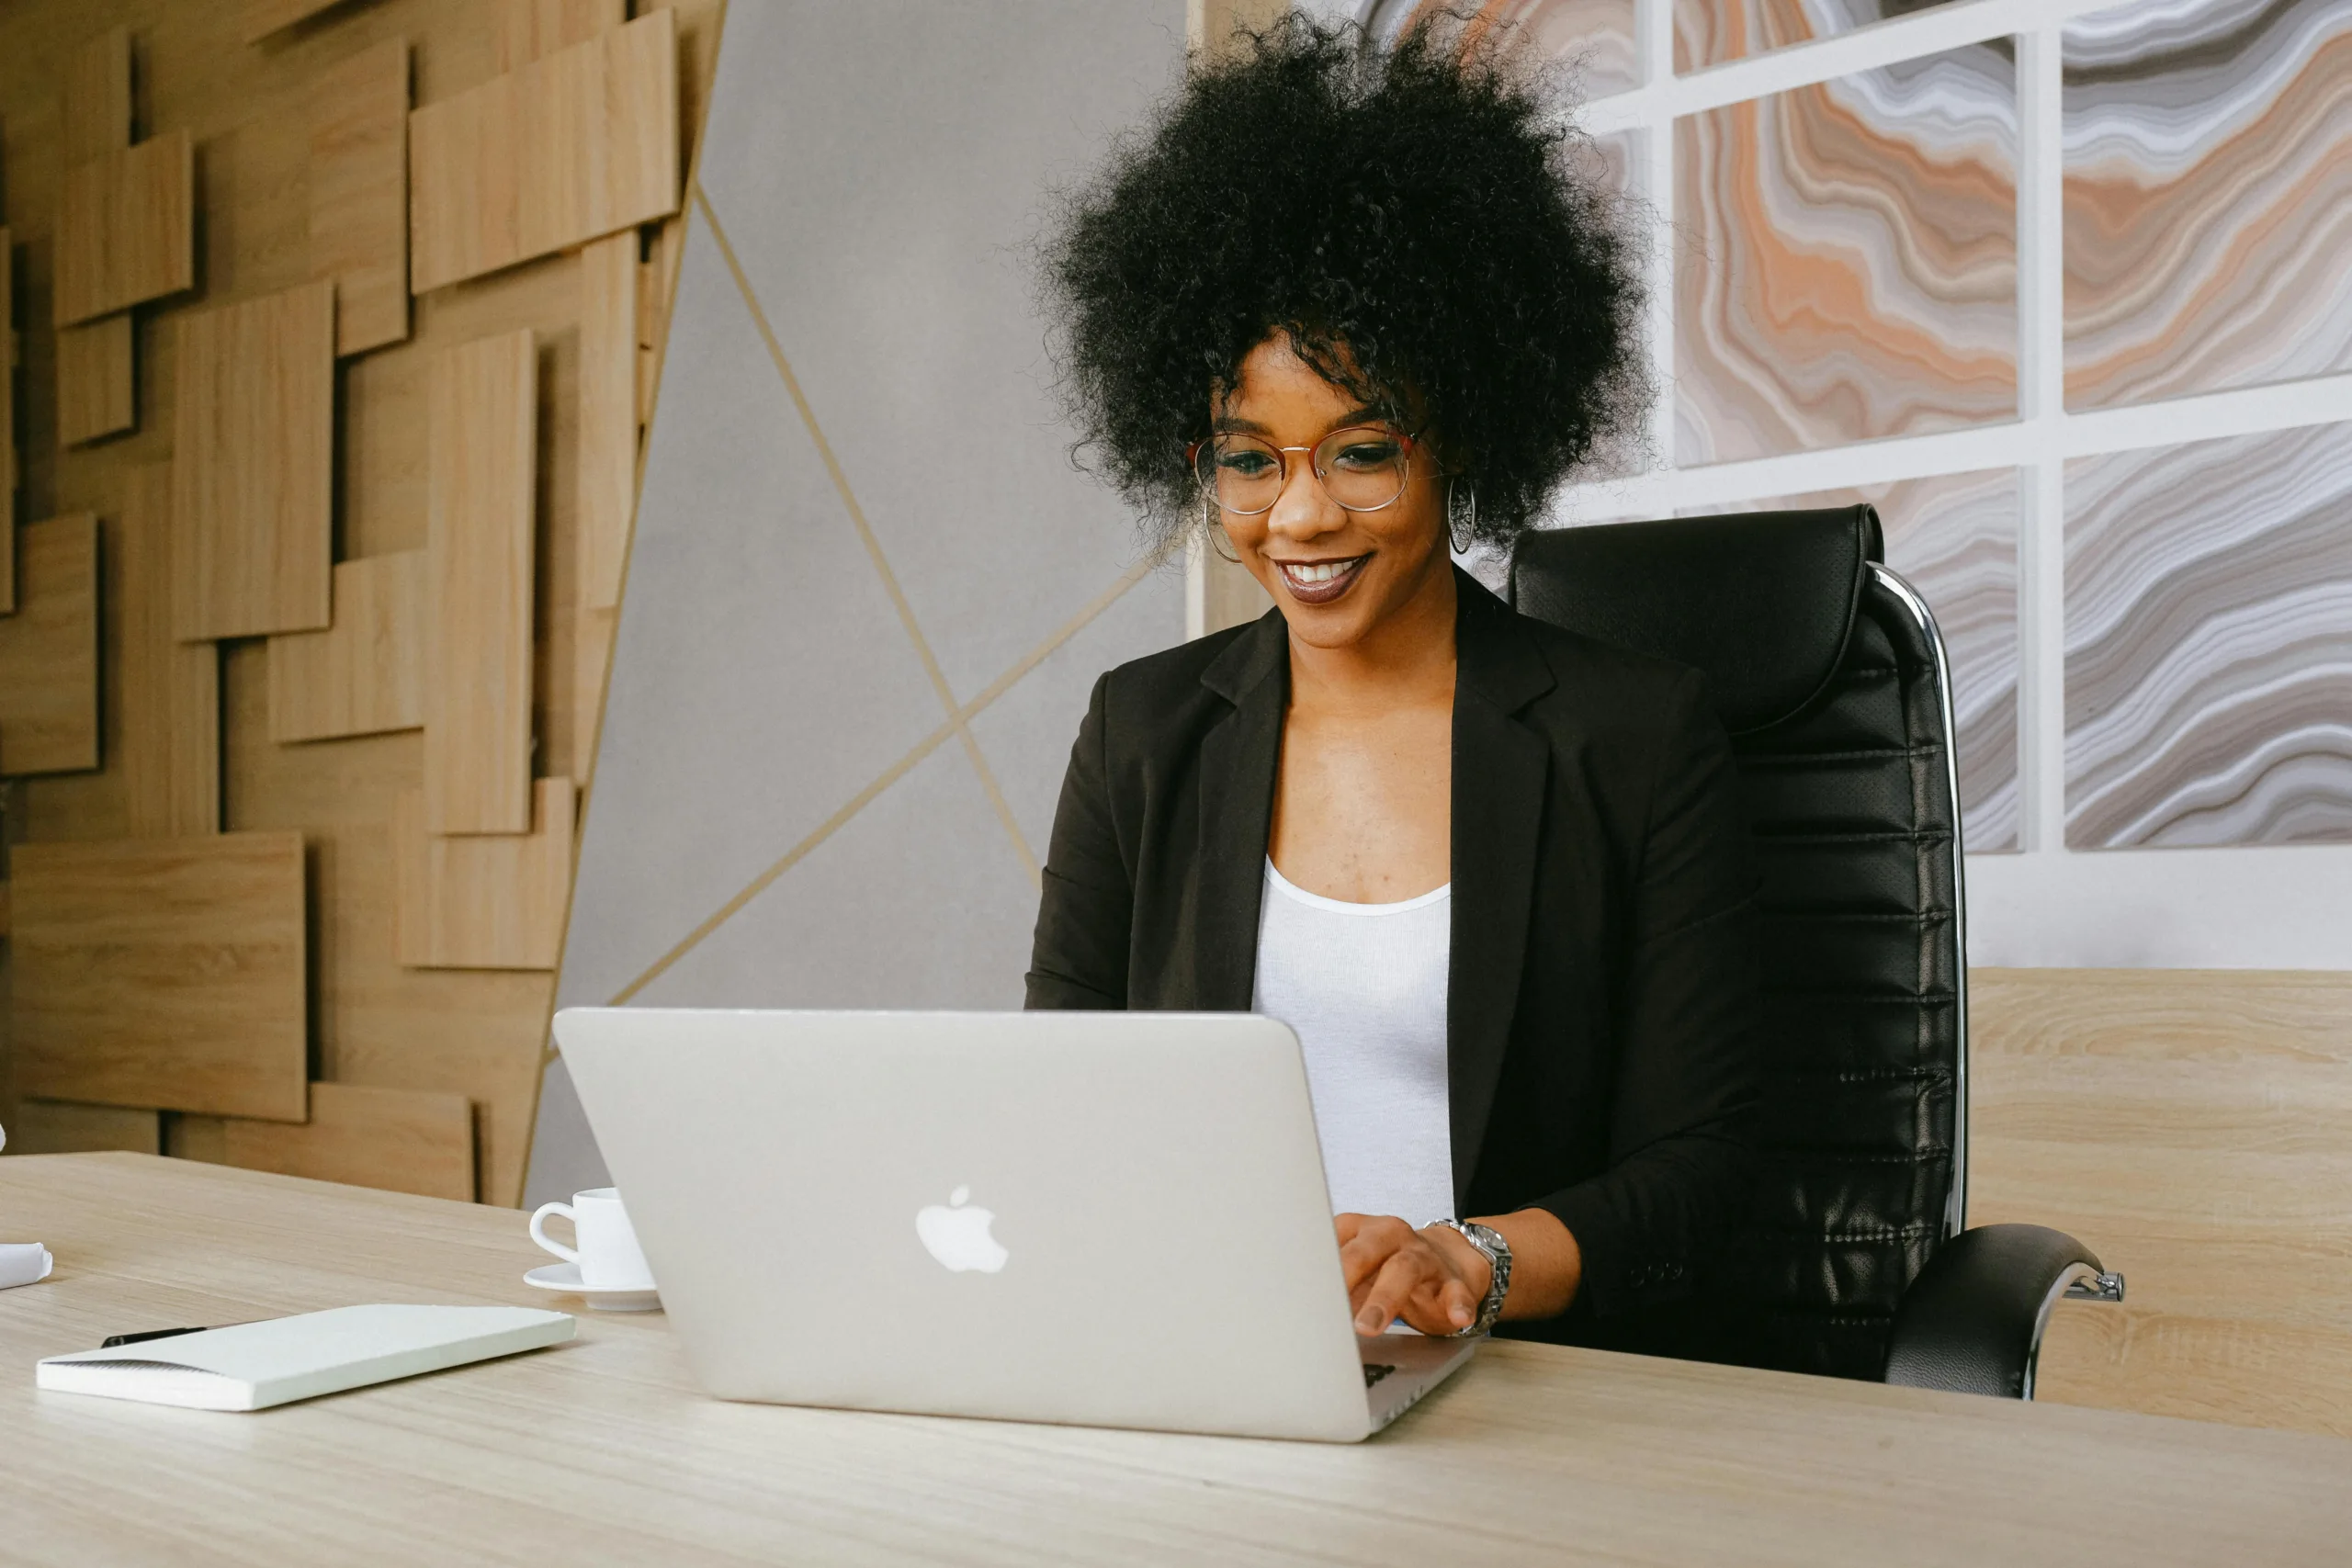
(1341, 308)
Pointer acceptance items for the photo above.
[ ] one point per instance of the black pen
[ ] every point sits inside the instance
(112, 1341)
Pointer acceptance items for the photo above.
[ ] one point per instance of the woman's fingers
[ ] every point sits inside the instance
(1392, 1288)
(1366, 1244)
(1392, 1271)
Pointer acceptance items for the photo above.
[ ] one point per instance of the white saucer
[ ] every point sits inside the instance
(565, 1277)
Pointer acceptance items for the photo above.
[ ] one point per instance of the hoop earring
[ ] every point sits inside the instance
(1460, 524)
(1211, 534)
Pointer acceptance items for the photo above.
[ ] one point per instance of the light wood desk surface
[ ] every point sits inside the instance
(602, 1451)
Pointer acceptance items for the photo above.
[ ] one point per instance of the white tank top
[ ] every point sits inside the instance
(1363, 985)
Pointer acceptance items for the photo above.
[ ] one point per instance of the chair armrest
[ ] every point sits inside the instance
(1971, 1322)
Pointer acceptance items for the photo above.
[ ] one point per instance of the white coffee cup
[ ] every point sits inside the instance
(607, 1252)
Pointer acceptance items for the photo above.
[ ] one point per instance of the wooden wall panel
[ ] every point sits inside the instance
(263, 18)
(487, 901)
(127, 229)
(358, 194)
(8, 467)
(171, 690)
(2195, 1129)
(529, 29)
(482, 447)
(163, 972)
(403, 1140)
(609, 352)
(592, 634)
(95, 394)
(48, 651)
(93, 100)
(61, 1127)
(364, 675)
(475, 1032)
(254, 433)
(576, 145)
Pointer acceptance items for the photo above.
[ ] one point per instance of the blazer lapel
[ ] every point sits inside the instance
(1500, 768)
(1238, 760)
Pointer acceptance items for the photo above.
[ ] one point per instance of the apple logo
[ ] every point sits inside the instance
(959, 1237)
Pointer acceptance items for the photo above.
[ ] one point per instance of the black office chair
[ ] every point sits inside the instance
(1829, 672)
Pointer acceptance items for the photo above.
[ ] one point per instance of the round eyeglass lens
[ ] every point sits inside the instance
(1364, 470)
(1244, 473)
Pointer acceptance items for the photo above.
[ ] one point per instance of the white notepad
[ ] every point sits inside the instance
(251, 1366)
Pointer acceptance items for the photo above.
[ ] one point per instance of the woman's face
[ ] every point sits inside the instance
(1337, 574)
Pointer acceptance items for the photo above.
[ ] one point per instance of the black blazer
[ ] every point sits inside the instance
(1600, 1017)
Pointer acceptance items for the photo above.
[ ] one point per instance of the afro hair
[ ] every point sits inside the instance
(1419, 219)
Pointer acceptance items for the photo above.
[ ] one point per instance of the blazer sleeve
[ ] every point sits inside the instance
(1079, 957)
(1688, 1059)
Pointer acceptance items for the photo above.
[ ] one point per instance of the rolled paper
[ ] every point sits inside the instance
(21, 1263)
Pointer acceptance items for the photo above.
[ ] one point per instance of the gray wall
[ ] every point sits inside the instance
(867, 593)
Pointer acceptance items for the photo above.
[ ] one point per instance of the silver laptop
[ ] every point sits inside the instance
(1110, 1219)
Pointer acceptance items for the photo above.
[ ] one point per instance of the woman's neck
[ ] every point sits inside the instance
(1406, 658)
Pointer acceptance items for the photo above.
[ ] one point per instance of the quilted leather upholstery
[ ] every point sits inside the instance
(1850, 797)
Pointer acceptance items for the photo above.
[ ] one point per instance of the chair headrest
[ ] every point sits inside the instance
(1761, 602)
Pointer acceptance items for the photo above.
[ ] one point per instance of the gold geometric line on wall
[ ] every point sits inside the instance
(961, 718)
(874, 548)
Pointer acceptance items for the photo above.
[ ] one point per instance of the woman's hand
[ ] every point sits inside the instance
(1433, 1278)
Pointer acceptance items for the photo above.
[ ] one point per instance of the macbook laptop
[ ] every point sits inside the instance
(1108, 1219)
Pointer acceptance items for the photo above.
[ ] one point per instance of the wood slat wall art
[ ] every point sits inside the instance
(401, 1140)
(8, 470)
(61, 1127)
(607, 471)
(93, 100)
(571, 147)
(127, 229)
(531, 28)
(170, 731)
(592, 632)
(358, 193)
(365, 674)
(486, 901)
(263, 18)
(95, 393)
(2190, 1126)
(254, 435)
(480, 453)
(48, 651)
(166, 973)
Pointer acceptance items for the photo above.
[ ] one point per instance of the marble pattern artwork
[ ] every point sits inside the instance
(1709, 32)
(1954, 539)
(1846, 259)
(2208, 195)
(1595, 37)
(2209, 643)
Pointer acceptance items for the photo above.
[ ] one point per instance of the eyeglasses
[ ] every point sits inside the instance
(1362, 469)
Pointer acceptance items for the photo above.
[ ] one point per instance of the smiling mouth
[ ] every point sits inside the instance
(1319, 582)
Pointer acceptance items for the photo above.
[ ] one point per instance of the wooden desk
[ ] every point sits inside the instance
(602, 1451)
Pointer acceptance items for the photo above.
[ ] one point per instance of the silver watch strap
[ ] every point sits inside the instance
(1496, 1251)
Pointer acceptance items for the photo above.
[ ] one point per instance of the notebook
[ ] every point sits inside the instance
(252, 1366)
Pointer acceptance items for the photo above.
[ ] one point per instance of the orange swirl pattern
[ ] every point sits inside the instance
(2209, 197)
(1709, 32)
(1846, 259)
(1954, 537)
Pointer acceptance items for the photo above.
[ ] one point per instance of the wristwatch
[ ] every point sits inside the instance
(1490, 1242)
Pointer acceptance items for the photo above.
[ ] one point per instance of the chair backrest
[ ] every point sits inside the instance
(1828, 672)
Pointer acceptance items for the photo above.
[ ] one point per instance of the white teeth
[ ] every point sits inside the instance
(1322, 572)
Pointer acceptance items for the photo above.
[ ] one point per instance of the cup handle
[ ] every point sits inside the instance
(539, 1230)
